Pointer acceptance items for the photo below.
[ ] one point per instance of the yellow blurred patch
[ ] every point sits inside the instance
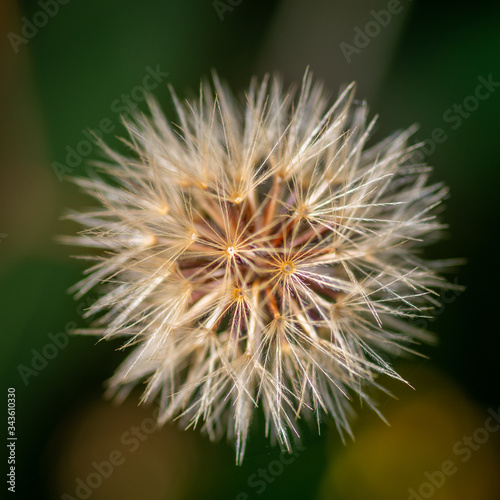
(437, 446)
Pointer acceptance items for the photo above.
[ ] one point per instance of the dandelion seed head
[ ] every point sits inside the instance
(238, 294)
(260, 253)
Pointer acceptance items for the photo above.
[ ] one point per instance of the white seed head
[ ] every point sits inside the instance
(265, 255)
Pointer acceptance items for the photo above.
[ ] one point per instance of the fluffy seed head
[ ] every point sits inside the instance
(260, 253)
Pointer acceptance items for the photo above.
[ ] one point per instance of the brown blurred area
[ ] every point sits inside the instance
(28, 193)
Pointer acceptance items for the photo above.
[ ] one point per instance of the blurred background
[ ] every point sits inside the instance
(70, 65)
